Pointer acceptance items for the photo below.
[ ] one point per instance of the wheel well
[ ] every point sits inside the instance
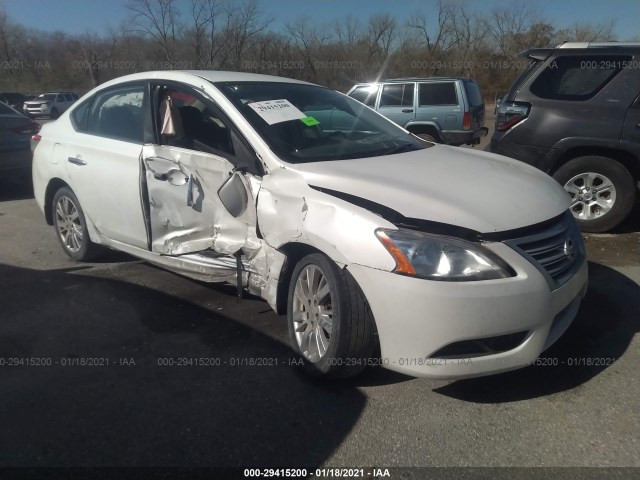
(54, 185)
(428, 129)
(294, 252)
(630, 161)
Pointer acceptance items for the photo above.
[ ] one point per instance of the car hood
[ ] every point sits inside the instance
(456, 186)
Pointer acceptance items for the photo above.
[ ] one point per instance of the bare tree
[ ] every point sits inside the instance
(308, 39)
(245, 23)
(157, 19)
(440, 40)
(348, 32)
(586, 32)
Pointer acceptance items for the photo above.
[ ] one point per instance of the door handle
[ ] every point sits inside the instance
(407, 110)
(163, 177)
(76, 161)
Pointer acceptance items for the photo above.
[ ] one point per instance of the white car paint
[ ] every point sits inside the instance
(414, 317)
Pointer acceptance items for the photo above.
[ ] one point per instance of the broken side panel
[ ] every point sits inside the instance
(186, 213)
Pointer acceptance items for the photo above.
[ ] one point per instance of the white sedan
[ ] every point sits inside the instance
(382, 248)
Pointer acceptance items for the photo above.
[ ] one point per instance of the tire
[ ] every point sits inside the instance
(347, 333)
(71, 226)
(427, 137)
(614, 188)
(54, 113)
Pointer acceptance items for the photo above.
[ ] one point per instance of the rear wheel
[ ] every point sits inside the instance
(602, 191)
(71, 226)
(427, 137)
(330, 323)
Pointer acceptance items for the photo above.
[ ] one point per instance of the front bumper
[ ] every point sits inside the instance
(416, 318)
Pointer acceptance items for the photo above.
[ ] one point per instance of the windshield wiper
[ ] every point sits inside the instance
(405, 147)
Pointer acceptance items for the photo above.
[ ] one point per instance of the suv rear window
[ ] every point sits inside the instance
(473, 94)
(365, 94)
(437, 94)
(577, 77)
(397, 95)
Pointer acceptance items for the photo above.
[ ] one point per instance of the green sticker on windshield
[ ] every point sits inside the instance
(309, 121)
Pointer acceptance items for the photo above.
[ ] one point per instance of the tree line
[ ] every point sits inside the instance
(447, 39)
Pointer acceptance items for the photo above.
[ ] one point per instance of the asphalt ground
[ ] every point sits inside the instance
(110, 397)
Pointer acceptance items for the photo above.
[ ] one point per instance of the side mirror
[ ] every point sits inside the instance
(233, 195)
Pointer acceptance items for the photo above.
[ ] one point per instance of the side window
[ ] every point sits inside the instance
(430, 94)
(366, 94)
(185, 121)
(117, 114)
(397, 95)
(577, 77)
(60, 98)
(68, 97)
(79, 116)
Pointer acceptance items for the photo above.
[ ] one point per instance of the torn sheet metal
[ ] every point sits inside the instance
(290, 211)
(177, 227)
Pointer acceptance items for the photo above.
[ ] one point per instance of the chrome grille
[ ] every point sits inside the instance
(557, 250)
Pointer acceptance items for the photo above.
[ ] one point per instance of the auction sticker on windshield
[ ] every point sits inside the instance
(276, 111)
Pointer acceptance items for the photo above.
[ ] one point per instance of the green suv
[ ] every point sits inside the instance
(439, 109)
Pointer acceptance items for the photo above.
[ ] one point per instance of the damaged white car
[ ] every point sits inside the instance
(380, 247)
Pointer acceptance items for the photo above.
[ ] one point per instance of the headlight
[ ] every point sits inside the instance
(441, 258)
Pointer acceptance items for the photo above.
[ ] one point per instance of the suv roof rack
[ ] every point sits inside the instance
(597, 44)
(400, 79)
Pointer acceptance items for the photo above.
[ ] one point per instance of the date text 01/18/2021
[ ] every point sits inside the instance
(328, 472)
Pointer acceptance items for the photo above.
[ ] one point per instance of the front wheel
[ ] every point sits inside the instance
(330, 322)
(71, 226)
(602, 191)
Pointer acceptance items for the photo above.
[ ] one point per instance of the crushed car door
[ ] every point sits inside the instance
(199, 193)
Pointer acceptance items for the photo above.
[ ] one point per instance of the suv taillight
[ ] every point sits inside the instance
(29, 128)
(466, 121)
(35, 139)
(510, 114)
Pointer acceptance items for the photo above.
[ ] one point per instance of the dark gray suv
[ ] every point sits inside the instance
(575, 114)
(439, 109)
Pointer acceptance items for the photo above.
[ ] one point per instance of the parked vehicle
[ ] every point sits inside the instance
(15, 135)
(437, 109)
(575, 114)
(49, 104)
(363, 234)
(13, 99)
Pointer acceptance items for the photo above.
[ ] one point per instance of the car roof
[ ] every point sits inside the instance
(416, 79)
(197, 75)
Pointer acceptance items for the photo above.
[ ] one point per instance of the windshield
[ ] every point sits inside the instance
(306, 123)
(47, 96)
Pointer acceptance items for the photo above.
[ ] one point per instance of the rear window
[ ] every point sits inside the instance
(365, 94)
(473, 94)
(397, 95)
(577, 77)
(437, 94)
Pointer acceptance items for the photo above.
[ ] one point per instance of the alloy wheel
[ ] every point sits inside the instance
(313, 313)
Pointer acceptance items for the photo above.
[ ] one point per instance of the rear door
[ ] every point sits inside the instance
(102, 158)
(198, 153)
(630, 139)
(397, 102)
(439, 102)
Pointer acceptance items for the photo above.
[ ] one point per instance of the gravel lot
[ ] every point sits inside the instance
(135, 412)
